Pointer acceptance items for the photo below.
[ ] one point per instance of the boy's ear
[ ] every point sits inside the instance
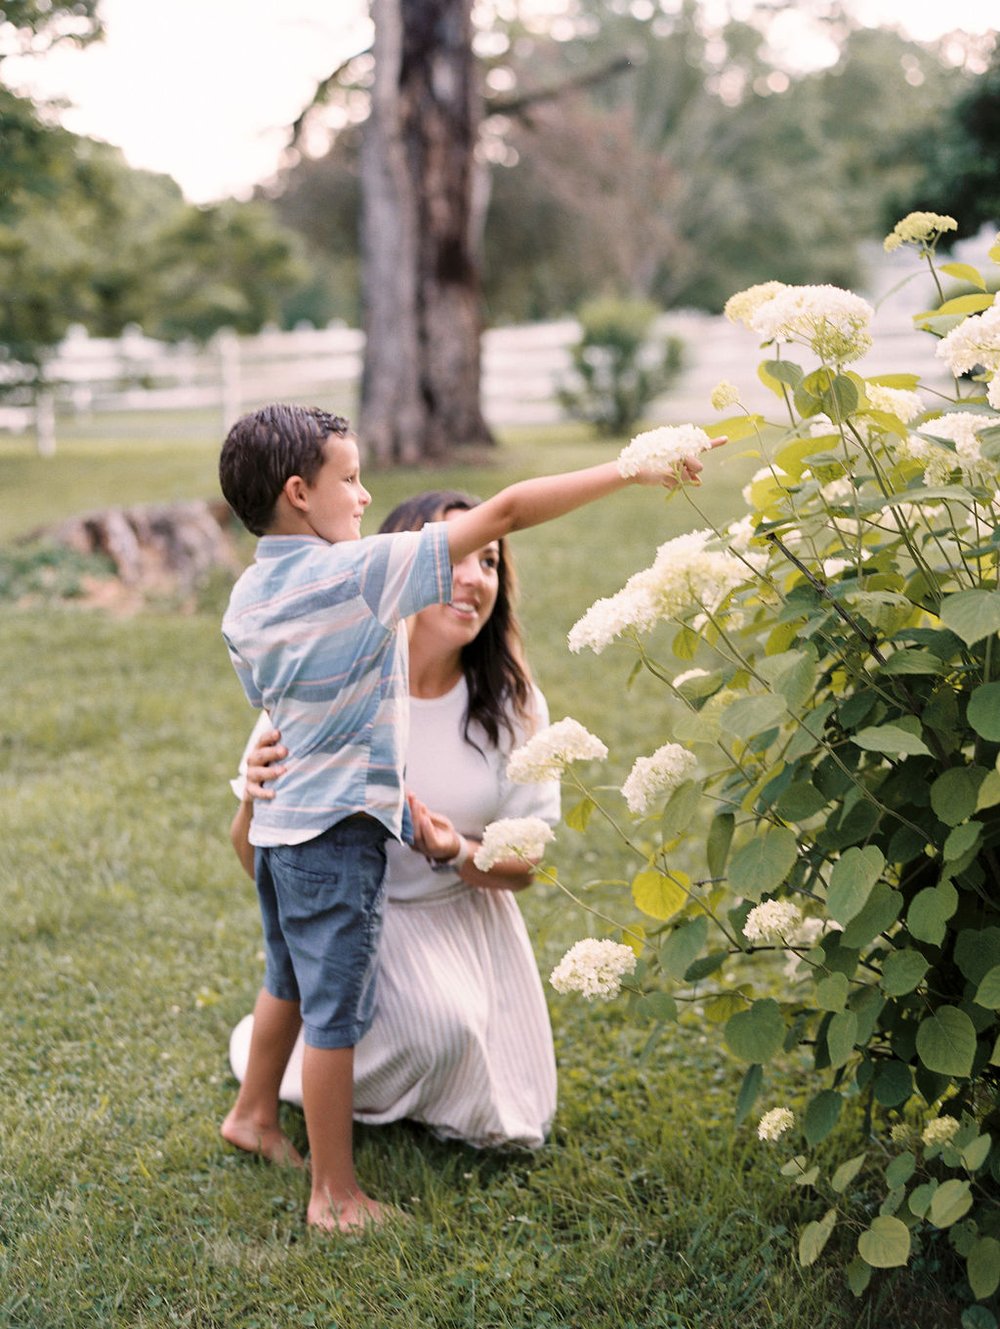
(296, 491)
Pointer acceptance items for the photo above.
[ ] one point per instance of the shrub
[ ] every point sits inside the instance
(819, 839)
(619, 365)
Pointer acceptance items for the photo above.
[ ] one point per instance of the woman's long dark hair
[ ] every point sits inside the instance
(495, 670)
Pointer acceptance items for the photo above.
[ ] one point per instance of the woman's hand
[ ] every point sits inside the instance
(262, 764)
(434, 835)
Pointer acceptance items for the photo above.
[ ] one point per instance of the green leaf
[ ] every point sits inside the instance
(920, 1199)
(972, 615)
(747, 717)
(909, 661)
(892, 740)
(886, 1244)
(683, 946)
(841, 1034)
(658, 895)
(736, 427)
(946, 1042)
(680, 809)
(988, 992)
(881, 910)
(846, 1173)
(821, 1115)
(803, 800)
(749, 1090)
(831, 992)
(656, 1006)
(975, 1154)
(783, 371)
(983, 1267)
(977, 950)
(763, 863)
(814, 1237)
(978, 1317)
(756, 1034)
(901, 1169)
(578, 817)
(962, 304)
(906, 382)
(954, 793)
(893, 1083)
(859, 1275)
(902, 972)
(854, 875)
(720, 837)
(961, 841)
(929, 911)
(708, 964)
(965, 272)
(984, 711)
(989, 791)
(952, 1201)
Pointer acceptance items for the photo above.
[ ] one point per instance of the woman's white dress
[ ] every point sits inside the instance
(461, 1039)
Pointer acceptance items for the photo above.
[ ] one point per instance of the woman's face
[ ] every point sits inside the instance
(475, 583)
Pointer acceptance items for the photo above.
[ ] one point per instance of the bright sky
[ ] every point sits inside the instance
(203, 90)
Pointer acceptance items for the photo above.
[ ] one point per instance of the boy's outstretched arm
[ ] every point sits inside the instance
(531, 502)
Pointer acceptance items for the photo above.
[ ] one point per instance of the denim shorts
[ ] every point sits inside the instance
(321, 907)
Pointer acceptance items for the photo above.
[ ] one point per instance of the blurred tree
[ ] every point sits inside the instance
(961, 162)
(420, 262)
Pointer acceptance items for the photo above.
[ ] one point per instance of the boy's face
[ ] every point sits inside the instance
(337, 499)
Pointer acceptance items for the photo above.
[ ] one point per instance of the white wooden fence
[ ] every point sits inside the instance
(522, 369)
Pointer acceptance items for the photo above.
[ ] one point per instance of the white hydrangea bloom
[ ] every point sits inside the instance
(659, 774)
(512, 837)
(547, 754)
(594, 968)
(993, 392)
(833, 322)
(905, 405)
(918, 228)
(764, 473)
(661, 451)
(739, 533)
(724, 395)
(773, 1124)
(741, 307)
(940, 1130)
(837, 491)
(973, 343)
(774, 920)
(961, 428)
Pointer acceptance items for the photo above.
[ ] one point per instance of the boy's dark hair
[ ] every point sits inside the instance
(264, 448)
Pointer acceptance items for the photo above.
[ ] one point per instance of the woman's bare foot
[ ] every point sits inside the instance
(349, 1213)
(268, 1141)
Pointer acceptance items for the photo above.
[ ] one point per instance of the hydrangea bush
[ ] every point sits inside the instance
(820, 829)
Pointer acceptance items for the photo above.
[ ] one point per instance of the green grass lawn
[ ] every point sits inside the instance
(130, 946)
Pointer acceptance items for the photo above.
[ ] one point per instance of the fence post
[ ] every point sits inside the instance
(228, 344)
(45, 422)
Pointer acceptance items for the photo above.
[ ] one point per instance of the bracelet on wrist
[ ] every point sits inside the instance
(457, 860)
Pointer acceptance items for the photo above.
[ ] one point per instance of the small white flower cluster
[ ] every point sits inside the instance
(973, 343)
(659, 774)
(773, 1124)
(594, 968)
(724, 395)
(512, 837)
(900, 402)
(547, 754)
(662, 451)
(918, 228)
(774, 920)
(741, 307)
(939, 1131)
(961, 428)
(685, 575)
(739, 534)
(833, 322)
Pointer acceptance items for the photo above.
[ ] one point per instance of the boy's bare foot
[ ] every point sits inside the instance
(352, 1214)
(269, 1142)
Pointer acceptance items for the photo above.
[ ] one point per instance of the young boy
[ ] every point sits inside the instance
(315, 631)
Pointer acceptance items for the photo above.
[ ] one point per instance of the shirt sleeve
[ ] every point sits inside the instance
(405, 572)
(528, 800)
(245, 674)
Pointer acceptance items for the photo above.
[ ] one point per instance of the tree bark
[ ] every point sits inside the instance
(420, 391)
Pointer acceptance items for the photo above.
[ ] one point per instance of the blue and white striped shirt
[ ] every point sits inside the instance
(316, 636)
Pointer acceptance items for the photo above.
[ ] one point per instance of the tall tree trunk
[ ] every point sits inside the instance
(420, 392)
